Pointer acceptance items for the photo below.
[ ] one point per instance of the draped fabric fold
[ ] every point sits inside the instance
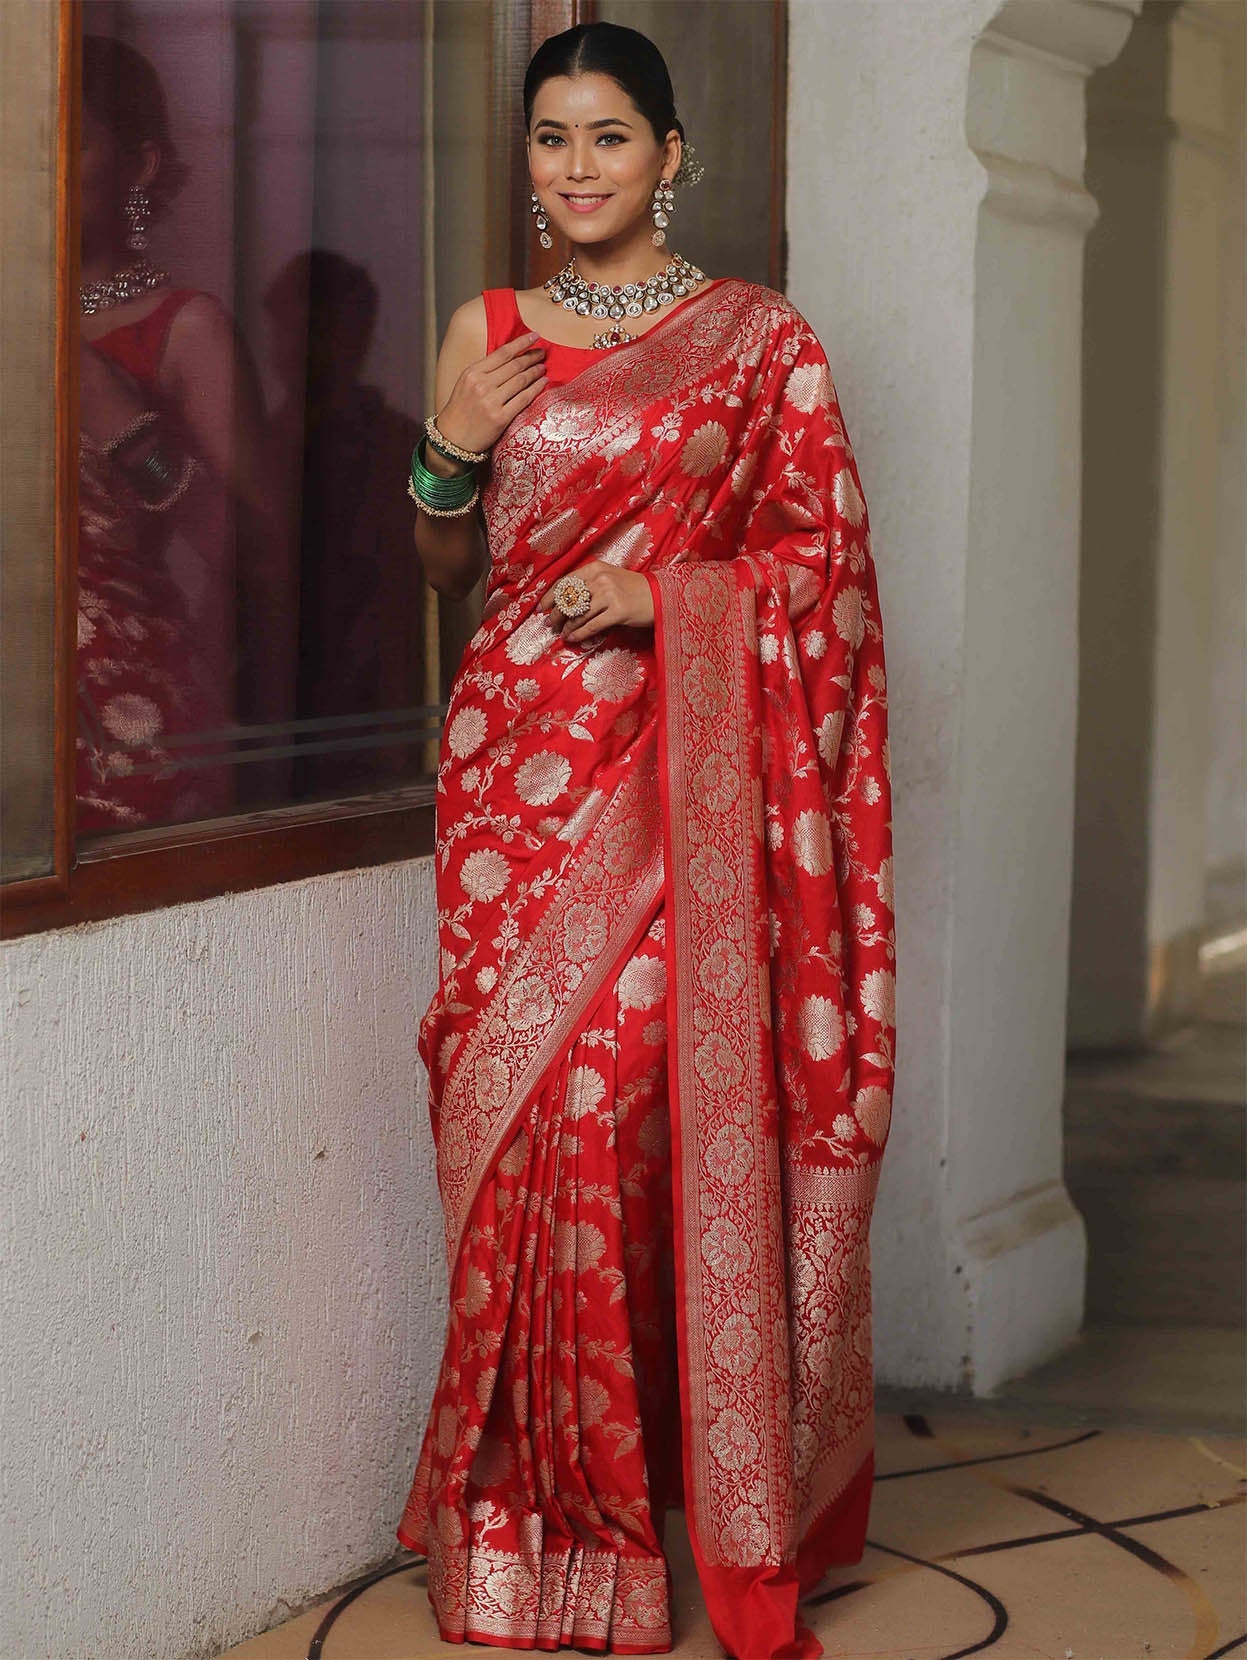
(662, 1048)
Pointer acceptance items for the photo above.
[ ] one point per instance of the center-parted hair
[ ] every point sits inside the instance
(631, 59)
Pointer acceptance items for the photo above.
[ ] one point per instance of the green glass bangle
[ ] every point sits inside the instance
(436, 483)
(436, 491)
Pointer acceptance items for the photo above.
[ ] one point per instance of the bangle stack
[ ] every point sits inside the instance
(446, 448)
(153, 479)
(444, 498)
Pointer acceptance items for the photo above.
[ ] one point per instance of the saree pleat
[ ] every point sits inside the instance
(564, 1538)
(662, 1048)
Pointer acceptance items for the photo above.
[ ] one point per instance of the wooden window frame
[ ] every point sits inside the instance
(147, 870)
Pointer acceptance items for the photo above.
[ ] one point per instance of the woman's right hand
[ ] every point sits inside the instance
(491, 392)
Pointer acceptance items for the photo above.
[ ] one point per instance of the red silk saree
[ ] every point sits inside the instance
(661, 1051)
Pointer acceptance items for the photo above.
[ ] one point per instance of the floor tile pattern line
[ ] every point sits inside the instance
(1074, 1532)
(316, 1647)
(1208, 1452)
(1203, 1610)
(1228, 1648)
(998, 1610)
(981, 1458)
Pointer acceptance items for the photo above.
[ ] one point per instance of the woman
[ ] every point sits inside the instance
(174, 491)
(661, 1051)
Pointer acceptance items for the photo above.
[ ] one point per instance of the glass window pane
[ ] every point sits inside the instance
(260, 242)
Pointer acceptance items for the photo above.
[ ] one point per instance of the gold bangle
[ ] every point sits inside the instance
(444, 512)
(452, 452)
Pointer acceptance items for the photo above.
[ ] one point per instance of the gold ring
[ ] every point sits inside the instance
(572, 596)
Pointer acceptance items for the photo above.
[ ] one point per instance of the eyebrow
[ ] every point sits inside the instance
(609, 121)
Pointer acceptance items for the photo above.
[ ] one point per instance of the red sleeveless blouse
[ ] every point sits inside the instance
(138, 347)
(505, 323)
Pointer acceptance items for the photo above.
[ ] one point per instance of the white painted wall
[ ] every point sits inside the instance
(223, 1261)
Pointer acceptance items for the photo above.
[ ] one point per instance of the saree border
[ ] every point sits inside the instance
(813, 1193)
(603, 876)
(578, 1595)
(735, 1366)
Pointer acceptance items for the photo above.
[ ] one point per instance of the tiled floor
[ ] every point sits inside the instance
(986, 1537)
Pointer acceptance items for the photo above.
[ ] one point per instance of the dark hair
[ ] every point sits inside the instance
(123, 92)
(631, 59)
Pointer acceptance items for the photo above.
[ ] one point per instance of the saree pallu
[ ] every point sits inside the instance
(662, 1047)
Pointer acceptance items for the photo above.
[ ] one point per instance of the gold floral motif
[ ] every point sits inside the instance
(704, 449)
(551, 539)
(812, 841)
(627, 546)
(878, 996)
(823, 1030)
(543, 778)
(808, 387)
(848, 498)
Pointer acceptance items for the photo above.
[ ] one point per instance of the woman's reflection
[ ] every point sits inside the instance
(185, 570)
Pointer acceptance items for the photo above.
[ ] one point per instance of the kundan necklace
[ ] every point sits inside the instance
(125, 284)
(629, 299)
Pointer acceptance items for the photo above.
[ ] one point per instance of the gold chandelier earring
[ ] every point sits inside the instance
(138, 211)
(541, 220)
(662, 207)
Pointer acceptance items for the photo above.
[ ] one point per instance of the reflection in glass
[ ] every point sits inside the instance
(254, 630)
(161, 374)
(361, 593)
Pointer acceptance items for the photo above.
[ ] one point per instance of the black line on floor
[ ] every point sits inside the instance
(1106, 1530)
(317, 1645)
(1000, 1617)
(1227, 1647)
(835, 1591)
(1074, 1532)
(919, 1426)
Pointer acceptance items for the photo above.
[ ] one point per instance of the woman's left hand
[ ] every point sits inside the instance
(617, 599)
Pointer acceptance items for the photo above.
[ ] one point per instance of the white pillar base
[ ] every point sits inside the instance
(1023, 1265)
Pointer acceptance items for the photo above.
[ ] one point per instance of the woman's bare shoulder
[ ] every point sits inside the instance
(465, 340)
(468, 328)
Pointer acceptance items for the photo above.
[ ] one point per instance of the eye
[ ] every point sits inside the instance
(548, 139)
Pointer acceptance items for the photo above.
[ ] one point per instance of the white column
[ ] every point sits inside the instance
(936, 216)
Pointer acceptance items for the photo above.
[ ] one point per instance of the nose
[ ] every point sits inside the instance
(581, 157)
